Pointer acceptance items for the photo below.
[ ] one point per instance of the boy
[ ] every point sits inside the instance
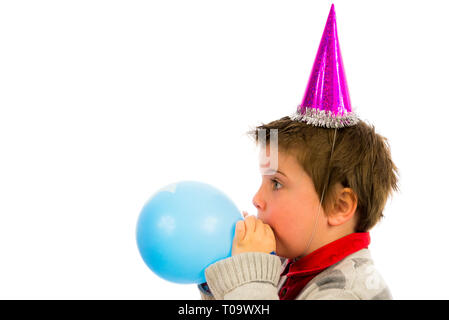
(316, 204)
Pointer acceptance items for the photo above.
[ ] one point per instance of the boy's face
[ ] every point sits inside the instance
(288, 203)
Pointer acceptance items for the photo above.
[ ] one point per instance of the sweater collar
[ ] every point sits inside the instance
(327, 255)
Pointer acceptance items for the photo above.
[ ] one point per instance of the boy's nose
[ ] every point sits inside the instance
(258, 202)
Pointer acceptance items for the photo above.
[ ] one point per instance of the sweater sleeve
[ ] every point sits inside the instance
(246, 276)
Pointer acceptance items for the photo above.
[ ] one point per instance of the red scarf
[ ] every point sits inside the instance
(300, 272)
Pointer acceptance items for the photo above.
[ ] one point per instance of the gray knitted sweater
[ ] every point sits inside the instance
(257, 276)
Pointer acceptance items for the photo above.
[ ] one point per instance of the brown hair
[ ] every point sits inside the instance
(361, 160)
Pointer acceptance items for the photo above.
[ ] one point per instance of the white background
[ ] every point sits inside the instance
(104, 102)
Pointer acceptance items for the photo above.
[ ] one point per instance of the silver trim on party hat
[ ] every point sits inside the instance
(326, 119)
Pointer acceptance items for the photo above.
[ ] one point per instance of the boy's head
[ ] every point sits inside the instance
(358, 181)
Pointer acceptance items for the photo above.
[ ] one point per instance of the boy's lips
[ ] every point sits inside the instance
(265, 222)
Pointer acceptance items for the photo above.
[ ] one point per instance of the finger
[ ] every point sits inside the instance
(270, 234)
(250, 224)
(240, 230)
(260, 226)
(268, 230)
(245, 214)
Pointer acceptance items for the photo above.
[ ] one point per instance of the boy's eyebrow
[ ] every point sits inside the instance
(272, 172)
(282, 173)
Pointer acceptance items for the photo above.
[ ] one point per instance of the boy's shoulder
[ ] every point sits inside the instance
(354, 277)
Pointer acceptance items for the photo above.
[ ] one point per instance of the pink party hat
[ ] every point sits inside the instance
(326, 101)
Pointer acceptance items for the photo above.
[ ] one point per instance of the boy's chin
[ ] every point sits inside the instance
(286, 254)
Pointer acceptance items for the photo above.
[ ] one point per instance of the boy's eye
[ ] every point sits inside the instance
(274, 183)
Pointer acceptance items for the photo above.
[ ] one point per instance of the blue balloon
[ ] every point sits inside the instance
(185, 227)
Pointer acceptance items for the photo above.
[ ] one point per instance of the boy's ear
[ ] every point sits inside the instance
(344, 206)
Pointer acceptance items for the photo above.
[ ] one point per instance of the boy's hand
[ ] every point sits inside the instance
(252, 235)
